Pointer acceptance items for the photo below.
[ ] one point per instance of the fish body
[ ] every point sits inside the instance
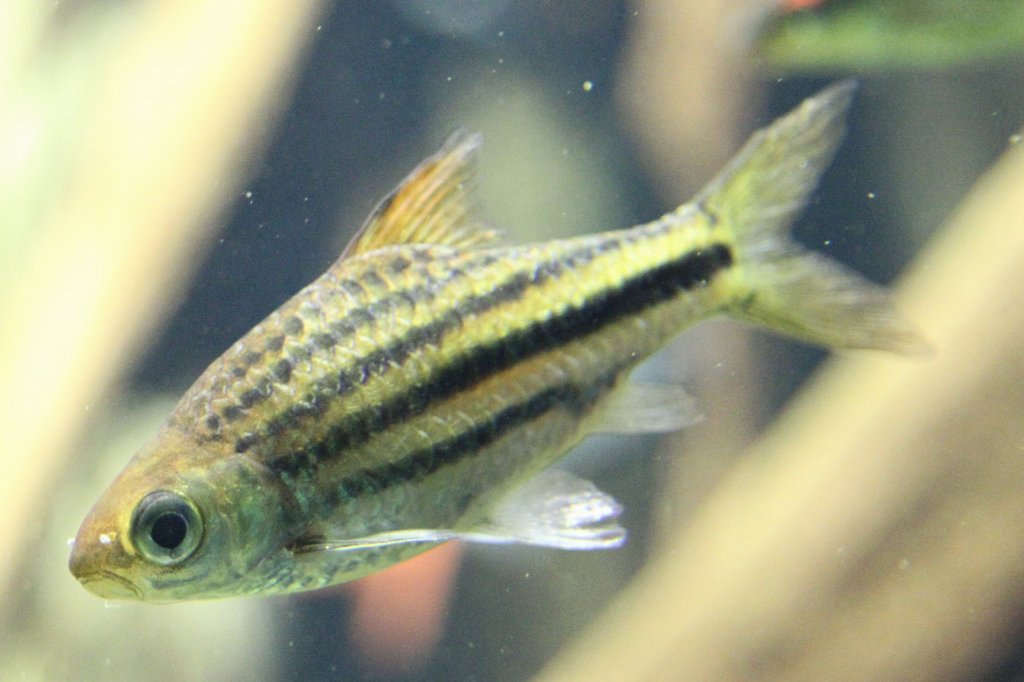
(421, 388)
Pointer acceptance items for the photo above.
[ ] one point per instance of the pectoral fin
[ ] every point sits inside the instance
(385, 539)
(554, 509)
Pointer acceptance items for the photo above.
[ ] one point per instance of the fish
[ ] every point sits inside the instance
(422, 389)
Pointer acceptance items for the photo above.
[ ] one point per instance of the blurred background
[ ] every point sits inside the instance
(171, 171)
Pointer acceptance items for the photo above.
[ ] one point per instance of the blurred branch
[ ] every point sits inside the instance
(684, 86)
(876, 531)
(160, 157)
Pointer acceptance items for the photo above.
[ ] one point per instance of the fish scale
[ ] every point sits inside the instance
(420, 390)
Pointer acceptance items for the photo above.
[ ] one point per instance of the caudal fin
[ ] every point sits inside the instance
(784, 286)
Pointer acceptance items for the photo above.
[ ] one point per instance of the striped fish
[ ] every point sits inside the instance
(421, 388)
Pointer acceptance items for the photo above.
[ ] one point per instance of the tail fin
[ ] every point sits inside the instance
(787, 288)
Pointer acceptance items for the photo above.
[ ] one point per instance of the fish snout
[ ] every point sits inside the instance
(91, 562)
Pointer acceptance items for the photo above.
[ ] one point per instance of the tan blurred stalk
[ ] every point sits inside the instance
(877, 531)
(685, 85)
(174, 125)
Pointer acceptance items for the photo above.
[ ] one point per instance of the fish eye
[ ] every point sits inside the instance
(166, 528)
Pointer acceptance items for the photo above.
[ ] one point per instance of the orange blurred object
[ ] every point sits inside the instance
(399, 613)
(796, 5)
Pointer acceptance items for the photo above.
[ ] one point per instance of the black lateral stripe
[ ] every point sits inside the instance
(425, 461)
(634, 296)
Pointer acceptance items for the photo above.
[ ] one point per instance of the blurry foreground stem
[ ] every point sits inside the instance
(162, 156)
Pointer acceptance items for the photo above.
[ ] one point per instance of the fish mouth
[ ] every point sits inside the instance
(109, 585)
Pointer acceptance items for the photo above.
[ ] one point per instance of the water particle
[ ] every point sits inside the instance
(248, 194)
(588, 86)
(1015, 139)
(827, 242)
(105, 539)
(871, 195)
(71, 542)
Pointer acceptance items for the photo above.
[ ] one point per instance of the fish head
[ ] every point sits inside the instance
(180, 523)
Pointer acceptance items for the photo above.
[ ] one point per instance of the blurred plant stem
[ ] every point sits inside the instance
(876, 531)
(685, 87)
(164, 137)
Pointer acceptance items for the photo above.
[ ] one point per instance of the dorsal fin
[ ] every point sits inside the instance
(431, 206)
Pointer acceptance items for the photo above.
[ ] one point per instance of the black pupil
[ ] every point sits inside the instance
(169, 530)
